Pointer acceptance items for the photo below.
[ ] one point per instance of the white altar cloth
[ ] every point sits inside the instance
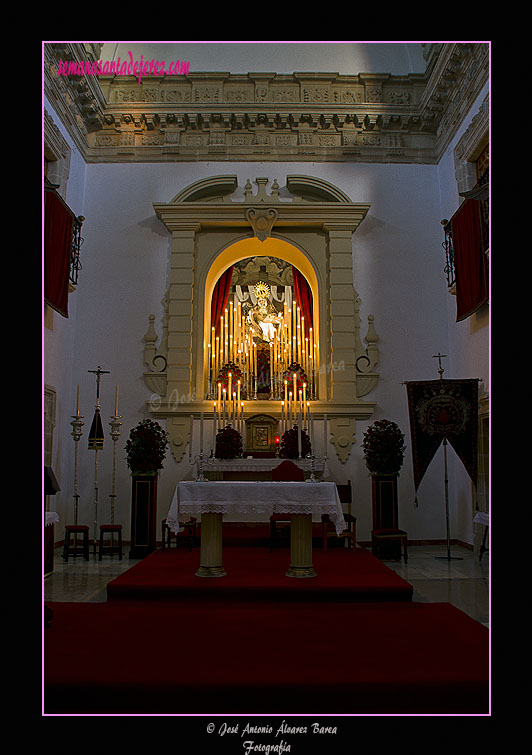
(50, 517)
(261, 499)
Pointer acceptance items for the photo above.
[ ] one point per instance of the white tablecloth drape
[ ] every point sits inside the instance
(261, 499)
(50, 517)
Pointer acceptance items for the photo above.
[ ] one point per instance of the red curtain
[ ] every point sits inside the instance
(303, 296)
(220, 297)
(58, 228)
(469, 259)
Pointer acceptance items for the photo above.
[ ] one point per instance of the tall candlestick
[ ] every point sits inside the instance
(299, 434)
(214, 427)
(325, 435)
(201, 433)
(191, 436)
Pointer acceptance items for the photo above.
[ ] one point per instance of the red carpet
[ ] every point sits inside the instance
(270, 658)
(253, 573)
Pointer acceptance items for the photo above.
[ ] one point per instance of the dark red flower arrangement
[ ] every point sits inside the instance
(301, 378)
(236, 375)
(289, 448)
(383, 447)
(228, 443)
(146, 447)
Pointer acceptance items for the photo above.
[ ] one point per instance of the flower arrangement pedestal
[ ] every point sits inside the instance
(143, 514)
(384, 498)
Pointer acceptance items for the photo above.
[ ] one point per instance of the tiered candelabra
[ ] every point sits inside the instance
(77, 423)
(115, 435)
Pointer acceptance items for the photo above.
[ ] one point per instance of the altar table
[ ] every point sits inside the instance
(304, 501)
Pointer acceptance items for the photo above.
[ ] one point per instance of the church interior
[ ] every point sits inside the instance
(266, 379)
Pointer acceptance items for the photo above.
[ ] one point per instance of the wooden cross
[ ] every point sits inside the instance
(99, 372)
(439, 357)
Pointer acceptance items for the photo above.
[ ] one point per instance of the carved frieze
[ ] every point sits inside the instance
(320, 116)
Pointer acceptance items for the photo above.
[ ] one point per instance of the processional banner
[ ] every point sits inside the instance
(441, 409)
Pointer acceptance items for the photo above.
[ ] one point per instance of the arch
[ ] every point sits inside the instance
(273, 246)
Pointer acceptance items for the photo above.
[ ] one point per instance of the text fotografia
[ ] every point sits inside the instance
(250, 746)
(137, 68)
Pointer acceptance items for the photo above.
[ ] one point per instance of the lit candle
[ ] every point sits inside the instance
(282, 416)
(223, 396)
(77, 403)
(201, 433)
(295, 387)
(238, 392)
(291, 407)
(230, 380)
(214, 427)
(219, 394)
(116, 402)
(325, 435)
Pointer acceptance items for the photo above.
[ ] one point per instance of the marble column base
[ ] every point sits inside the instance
(211, 547)
(301, 547)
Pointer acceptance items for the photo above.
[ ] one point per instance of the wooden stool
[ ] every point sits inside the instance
(73, 549)
(381, 538)
(110, 529)
(189, 535)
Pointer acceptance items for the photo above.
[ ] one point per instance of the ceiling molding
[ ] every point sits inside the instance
(368, 117)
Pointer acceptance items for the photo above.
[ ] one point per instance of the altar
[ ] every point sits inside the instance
(255, 469)
(306, 502)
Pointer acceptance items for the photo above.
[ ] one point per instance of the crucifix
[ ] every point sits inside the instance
(439, 357)
(95, 444)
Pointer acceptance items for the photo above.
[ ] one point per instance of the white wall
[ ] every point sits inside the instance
(398, 273)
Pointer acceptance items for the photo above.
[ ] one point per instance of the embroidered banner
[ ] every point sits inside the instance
(441, 409)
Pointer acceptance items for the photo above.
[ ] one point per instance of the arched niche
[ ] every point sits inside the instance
(273, 247)
(309, 224)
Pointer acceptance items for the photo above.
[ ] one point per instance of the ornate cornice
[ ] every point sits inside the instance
(316, 117)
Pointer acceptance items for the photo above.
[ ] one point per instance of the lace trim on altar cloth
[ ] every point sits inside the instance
(50, 517)
(261, 509)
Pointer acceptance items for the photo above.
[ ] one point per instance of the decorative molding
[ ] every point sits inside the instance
(211, 229)
(315, 117)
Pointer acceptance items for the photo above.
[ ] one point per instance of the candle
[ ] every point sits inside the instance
(191, 434)
(304, 399)
(116, 402)
(325, 435)
(201, 433)
(283, 427)
(214, 427)
(299, 434)
(295, 387)
(223, 397)
(230, 380)
(77, 404)
(238, 392)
